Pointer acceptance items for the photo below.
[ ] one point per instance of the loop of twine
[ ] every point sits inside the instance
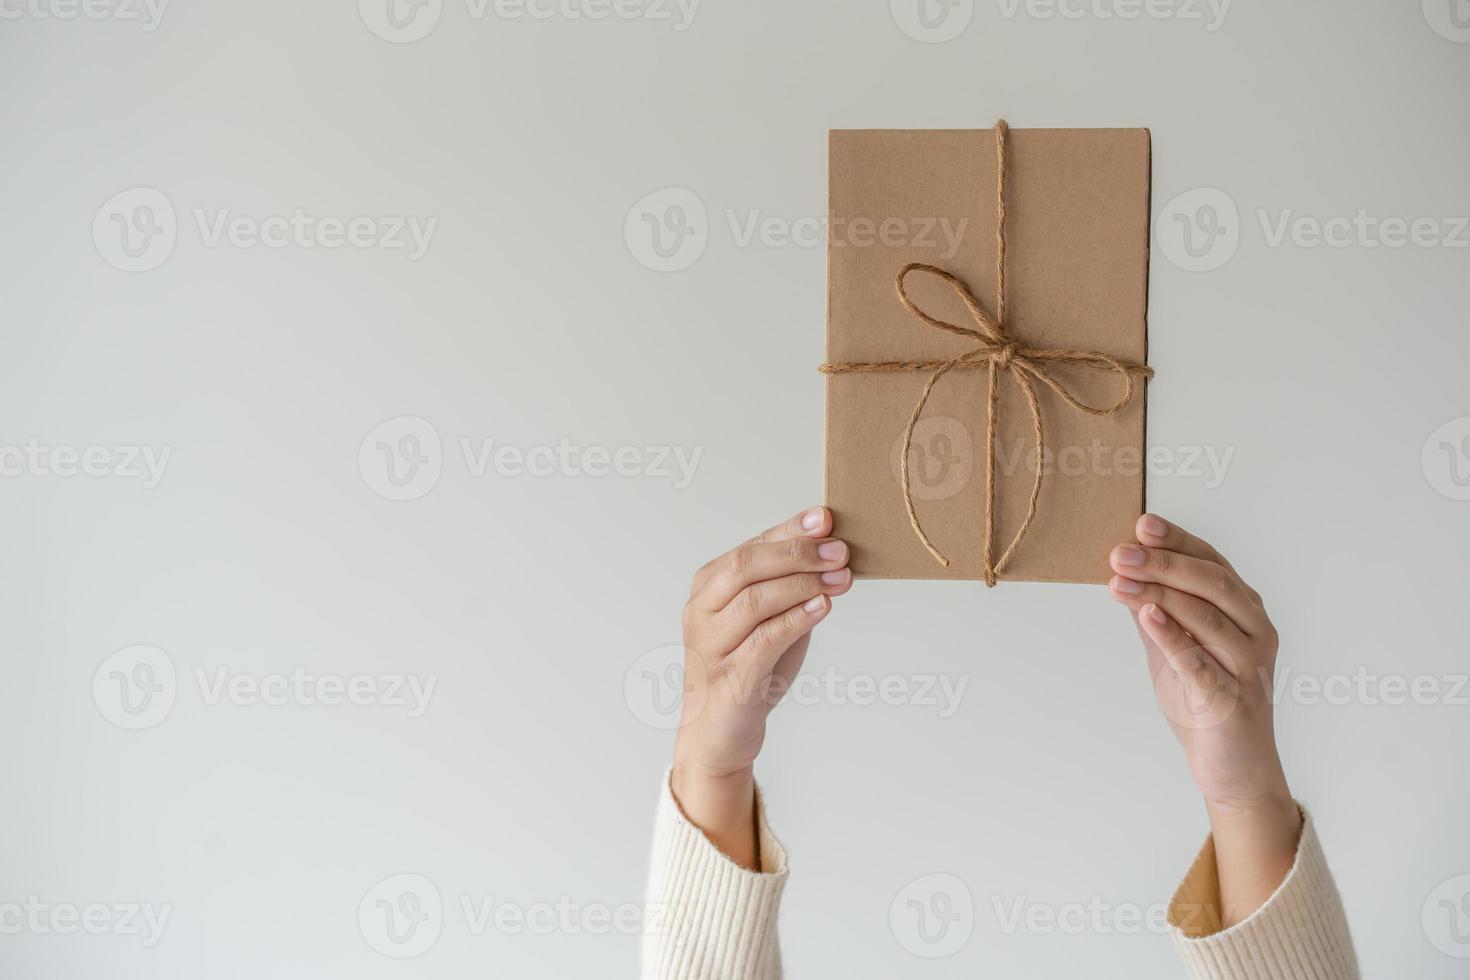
(996, 352)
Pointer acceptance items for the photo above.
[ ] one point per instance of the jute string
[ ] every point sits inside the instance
(996, 352)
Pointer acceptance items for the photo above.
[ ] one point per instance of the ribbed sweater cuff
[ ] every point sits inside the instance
(1300, 932)
(709, 918)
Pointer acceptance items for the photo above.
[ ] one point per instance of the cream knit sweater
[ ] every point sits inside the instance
(717, 920)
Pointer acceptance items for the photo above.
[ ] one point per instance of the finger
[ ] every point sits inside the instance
(814, 522)
(1211, 628)
(1212, 690)
(1156, 661)
(773, 637)
(788, 665)
(1214, 583)
(762, 600)
(1156, 532)
(1186, 657)
(757, 561)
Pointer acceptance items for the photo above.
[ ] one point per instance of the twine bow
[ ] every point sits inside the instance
(997, 352)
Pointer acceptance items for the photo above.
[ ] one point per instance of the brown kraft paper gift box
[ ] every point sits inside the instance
(1076, 276)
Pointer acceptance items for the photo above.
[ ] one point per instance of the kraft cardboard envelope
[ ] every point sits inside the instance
(1077, 237)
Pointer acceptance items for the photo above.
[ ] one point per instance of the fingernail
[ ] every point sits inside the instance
(815, 604)
(1155, 613)
(831, 551)
(1126, 554)
(1154, 527)
(838, 577)
(1126, 585)
(812, 518)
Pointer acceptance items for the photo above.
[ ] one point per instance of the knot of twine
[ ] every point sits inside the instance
(996, 352)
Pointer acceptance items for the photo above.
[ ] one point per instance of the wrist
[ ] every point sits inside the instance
(690, 777)
(1268, 796)
(699, 762)
(1273, 816)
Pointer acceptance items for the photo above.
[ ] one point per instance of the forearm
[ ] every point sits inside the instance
(1255, 845)
(723, 806)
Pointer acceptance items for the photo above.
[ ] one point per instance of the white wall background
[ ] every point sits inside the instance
(530, 778)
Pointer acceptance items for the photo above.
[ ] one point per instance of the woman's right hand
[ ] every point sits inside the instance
(747, 626)
(1212, 653)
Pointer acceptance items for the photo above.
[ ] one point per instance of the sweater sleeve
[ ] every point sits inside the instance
(1300, 932)
(708, 918)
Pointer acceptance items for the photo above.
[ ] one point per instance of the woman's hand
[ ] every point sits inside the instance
(746, 629)
(1212, 654)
